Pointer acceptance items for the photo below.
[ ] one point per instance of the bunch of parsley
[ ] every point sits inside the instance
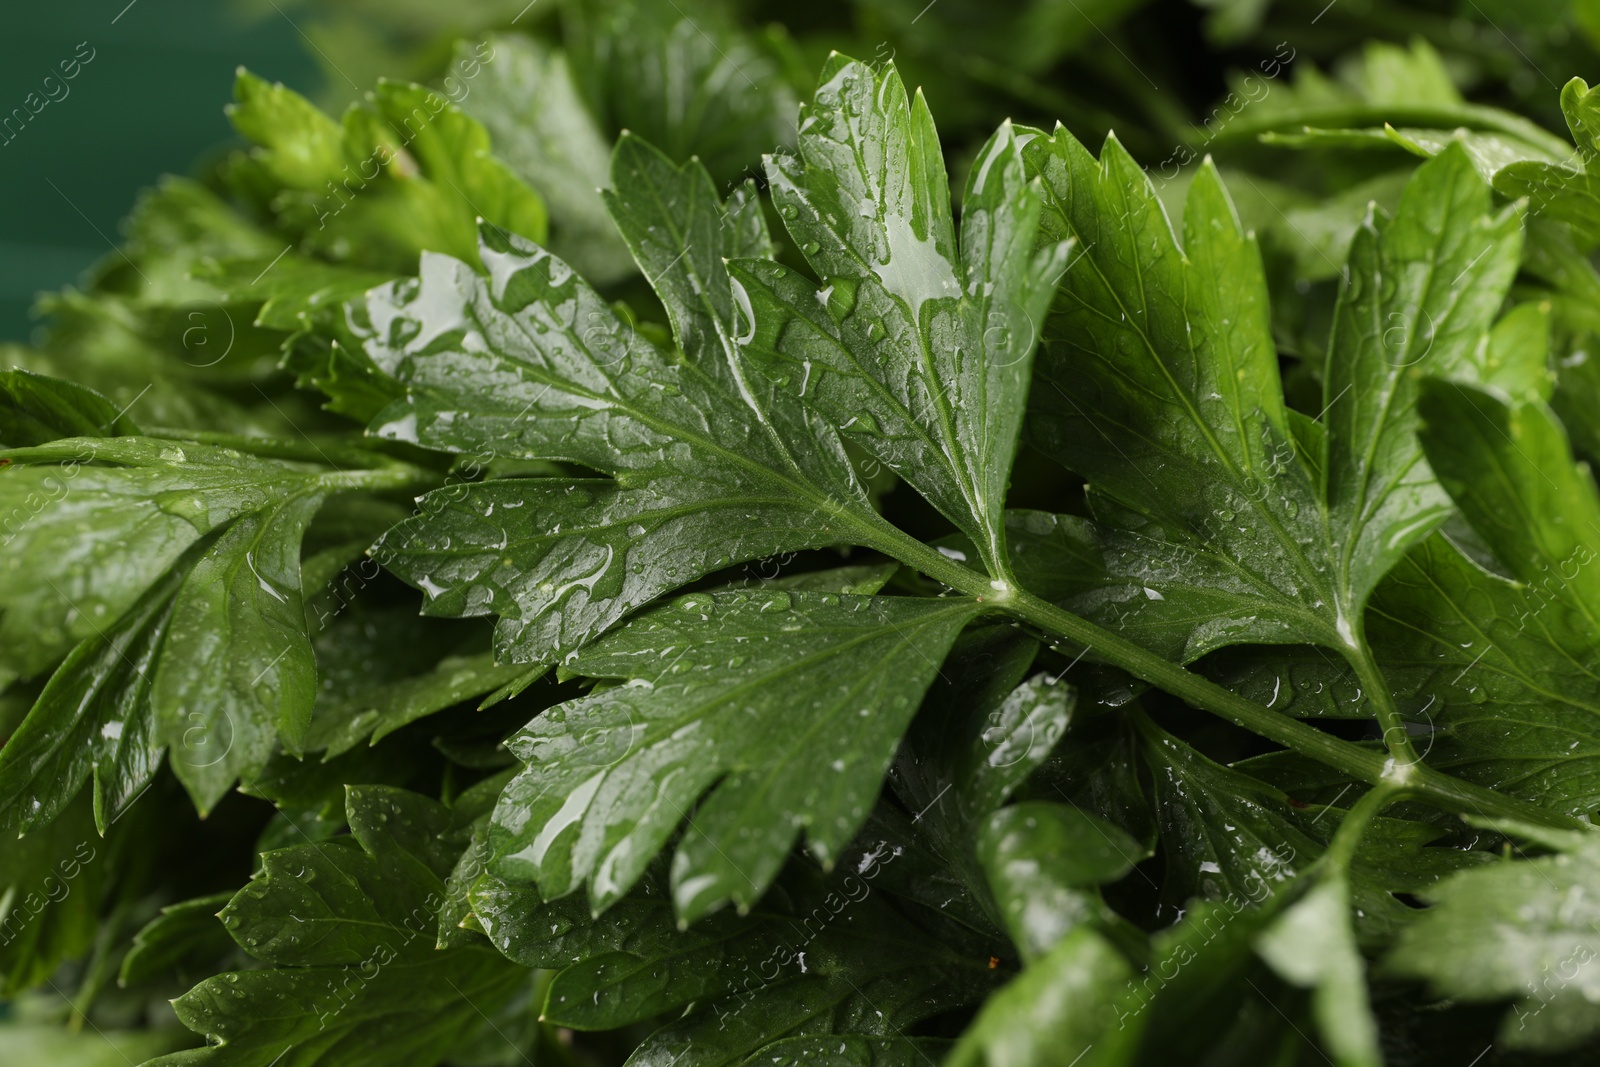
(598, 560)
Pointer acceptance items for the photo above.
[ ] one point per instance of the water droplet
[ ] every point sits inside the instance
(699, 603)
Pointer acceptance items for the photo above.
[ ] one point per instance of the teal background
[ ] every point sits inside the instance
(149, 103)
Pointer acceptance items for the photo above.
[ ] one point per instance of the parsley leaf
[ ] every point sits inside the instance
(1468, 648)
(612, 775)
(341, 928)
(179, 595)
(919, 348)
(529, 362)
(355, 190)
(529, 101)
(1521, 930)
(1565, 191)
(1299, 540)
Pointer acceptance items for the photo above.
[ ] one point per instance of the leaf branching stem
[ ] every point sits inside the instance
(1373, 686)
(1397, 768)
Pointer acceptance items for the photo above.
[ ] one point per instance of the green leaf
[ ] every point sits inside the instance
(174, 568)
(985, 726)
(343, 927)
(1056, 1010)
(672, 221)
(895, 986)
(377, 711)
(1490, 153)
(1567, 190)
(185, 941)
(240, 613)
(194, 365)
(1312, 945)
(1181, 602)
(289, 287)
(1515, 930)
(93, 719)
(696, 86)
(712, 466)
(1388, 84)
(1183, 432)
(1510, 469)
(451, 150)
(53, 885)
(409, 172)
(1380, 494)
(528, 100)
(1467, 653)
(1042, 860)
(97, 520)
(296, 143)
(35, 410)
(612, 775)
(1159, 383)
(983, 729)
(1190, 992)
(176, 230)
(1471, 651)
(822, 955)
(353, 383)
(1226, 835)
(381, 667)
(1518, 361)
(1313, 230)
(918, 347)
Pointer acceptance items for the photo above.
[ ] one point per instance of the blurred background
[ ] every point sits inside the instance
(149, 99)
(148, 102)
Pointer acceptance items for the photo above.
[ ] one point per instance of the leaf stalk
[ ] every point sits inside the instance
(1366, 765)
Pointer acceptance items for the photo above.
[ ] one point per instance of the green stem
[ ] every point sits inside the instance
(399, 477)
(1362, 764)
(1342, 849)
(327, 452)
(1376, 689)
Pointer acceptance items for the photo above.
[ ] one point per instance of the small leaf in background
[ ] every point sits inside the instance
(53, 886)
(689, 80)
(408, 172)
(1567, 191)
(1311, 944)
(35, 410)
(1043, 861)
(345, 933)
(530, 103)
(1519, 930)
